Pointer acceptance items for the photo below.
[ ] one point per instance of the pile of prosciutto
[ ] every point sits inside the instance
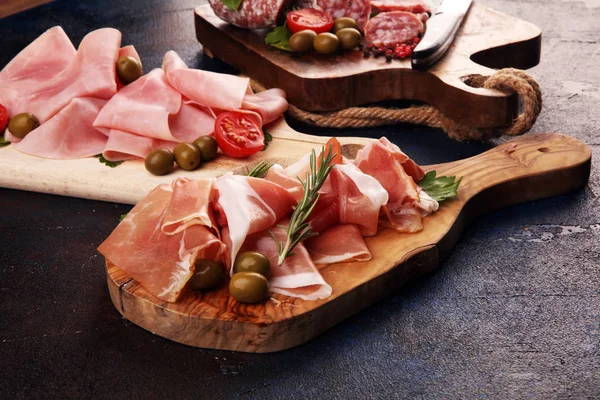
(84, 110)
(159, 242)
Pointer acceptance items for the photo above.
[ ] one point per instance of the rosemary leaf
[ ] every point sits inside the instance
(260, 170)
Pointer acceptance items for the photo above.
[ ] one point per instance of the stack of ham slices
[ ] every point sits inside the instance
(160, 240)
(84, 110)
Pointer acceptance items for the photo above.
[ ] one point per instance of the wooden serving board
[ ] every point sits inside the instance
(487, 39)
(527, 168)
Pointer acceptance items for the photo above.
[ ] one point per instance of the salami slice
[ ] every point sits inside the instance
(389, 28)
(413, 6)
(359, 10)
(253, 14)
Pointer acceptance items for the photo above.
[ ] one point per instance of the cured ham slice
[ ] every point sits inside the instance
(386, 162)
(190, 205)
(269, 104)
(91, 73)
(42, 60)
(249, 205)
(69, 134)
(297, 276)
(210, 89)
(128, 146)
(142, 107)
(340, 243)
(161, 263)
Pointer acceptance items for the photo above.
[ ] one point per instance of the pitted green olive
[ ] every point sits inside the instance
(208, 274)
(128, 69)
(326, 43)
(248, 287)
(350, 38)
(344, 22)
(159, 162)
(302, 42)
(252, 261)
(21, 124)
(187, 156)
(208, 147)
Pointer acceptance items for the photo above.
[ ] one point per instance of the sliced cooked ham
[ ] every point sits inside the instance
(190, 205)
(128, 146)
(385, 162)
(91, 73)
(297, 276)
(42, 60)
(69, 134)
(339, 243)
(249, 205)
(161, 263)
(269, 104)
(210, 89)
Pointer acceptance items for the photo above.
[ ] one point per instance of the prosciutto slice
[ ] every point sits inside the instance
(91, 73)
(69, 134)
(297, 276)
(386, 162)
(248, 205)
(339, 243)
(42, 60)
(162, 263)
(190, 205)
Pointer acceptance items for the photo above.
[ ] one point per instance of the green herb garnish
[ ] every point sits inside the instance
(3, 141)
(298, 229)
(279, 37)
(439, 188)
(260, 170)
(268, 139)
(232, 4)
(122, 217)
(106, 162)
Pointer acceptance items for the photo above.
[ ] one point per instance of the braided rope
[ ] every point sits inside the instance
(508, 79)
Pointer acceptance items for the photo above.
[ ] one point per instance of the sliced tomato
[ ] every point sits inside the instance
(239, 133)
(309, 18)
(336, 150)
(3, 118)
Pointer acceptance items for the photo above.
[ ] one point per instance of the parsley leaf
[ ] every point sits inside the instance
(104, 161)
(3, 141)
(268, 139)
(439, 188)
(232, 4)
(279, 37)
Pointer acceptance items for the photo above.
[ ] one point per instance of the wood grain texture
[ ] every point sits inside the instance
(527, 168)
(318, 83)
(9, 7)
(130, 182)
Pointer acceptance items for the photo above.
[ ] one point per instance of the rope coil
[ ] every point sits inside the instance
(508, 79)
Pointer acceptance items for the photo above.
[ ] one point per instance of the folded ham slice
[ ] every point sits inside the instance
(297, 276)
(91, 73)
(129, 146)
(248, 205)
(69, 134)
(339, 243)
(397, 173)
(269, 104)
(41, 61)
(162, 263)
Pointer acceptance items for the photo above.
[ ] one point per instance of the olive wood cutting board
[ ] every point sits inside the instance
(528, 168)
(487, 39)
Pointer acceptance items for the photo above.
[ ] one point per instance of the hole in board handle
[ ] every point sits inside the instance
(544, 149)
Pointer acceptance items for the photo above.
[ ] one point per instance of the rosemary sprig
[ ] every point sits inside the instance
(298, 229)
(260, 169)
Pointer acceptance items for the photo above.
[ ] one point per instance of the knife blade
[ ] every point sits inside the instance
(440, 30)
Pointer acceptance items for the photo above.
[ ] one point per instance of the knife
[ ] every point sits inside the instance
(440, 30)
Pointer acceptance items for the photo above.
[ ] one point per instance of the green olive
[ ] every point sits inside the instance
(326, 43)
(187, 156)
(208, 274)
(128, 69)
(252, 261)
(350, 38)
(21, 124)
(159, 162)
(302, 42)
(248, 287)
(344, 22)
(208, 147)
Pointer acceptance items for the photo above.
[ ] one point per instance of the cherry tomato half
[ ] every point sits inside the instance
(239, 134)
(3, 118)
(309, 18)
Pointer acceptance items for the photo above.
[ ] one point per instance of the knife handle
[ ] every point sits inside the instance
(440, 31)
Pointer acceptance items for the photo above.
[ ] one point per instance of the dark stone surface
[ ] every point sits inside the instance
(513, 313)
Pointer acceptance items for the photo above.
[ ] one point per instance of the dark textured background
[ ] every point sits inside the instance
(513, 313)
